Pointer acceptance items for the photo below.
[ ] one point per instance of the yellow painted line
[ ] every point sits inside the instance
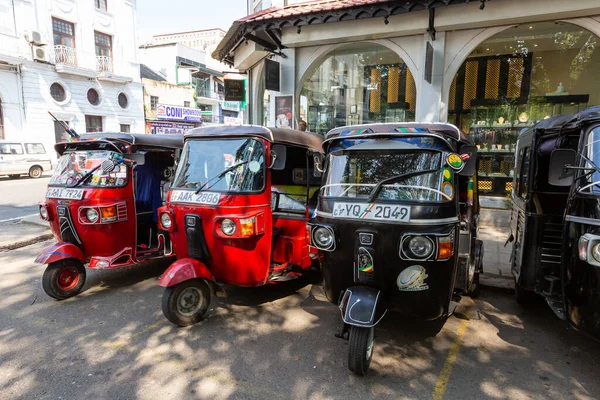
(442, 382)
(121, 343)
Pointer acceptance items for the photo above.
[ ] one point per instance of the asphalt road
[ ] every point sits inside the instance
(20, 197)
(277, 342)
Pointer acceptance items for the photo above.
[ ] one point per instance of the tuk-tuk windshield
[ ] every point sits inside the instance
(224, 165)
(75, 165)
(593, 154)
(357, 173)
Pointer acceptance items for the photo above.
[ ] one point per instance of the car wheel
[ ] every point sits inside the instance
(63, 279)
(186, 303)
(35, 172)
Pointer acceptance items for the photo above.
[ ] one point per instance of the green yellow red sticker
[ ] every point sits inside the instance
(455, 161)
(447, 174)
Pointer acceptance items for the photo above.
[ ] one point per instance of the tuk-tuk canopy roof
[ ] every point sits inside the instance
(566, 123)
(136, 140)
(446, 131)
(273, 135)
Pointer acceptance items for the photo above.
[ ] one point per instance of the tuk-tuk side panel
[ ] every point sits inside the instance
(291, 246)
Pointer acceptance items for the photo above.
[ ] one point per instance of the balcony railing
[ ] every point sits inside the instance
(64, 55)
(104, 64)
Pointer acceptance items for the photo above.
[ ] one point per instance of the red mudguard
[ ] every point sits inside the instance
(183, 270)
(59, 251)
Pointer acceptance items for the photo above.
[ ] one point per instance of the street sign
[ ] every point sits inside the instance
(272, 76)
(235, 90)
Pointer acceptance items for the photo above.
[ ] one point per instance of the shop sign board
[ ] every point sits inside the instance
(159, 127)
(235, 90)
(232, 106)
(272, 75)
(176, 113)
(284, 108)
(232, 120)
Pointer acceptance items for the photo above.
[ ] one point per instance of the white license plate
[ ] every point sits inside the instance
(188, 196)
(371, 211)
(64, 193)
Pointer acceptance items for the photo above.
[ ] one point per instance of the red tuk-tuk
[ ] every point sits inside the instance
(102, 203)
(237, 213)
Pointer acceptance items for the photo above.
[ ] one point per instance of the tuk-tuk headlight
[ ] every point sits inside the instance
(165, 220)
(420, 247)
(323, 238)
(228, 226)
(91, 215)
(596, 252)
(44, 213)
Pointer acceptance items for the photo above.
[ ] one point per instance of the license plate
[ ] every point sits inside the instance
(188, 196)
(371, 211)
(64, 193)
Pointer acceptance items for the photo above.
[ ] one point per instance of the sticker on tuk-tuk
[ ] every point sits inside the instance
(447, 175)
(448, 190)
(412, 279)
(455, 161)
(365, 261)
(189, 196)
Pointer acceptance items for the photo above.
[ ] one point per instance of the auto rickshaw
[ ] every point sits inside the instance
(397, 222)
(101, 204)
(555, 222)
(237, 213)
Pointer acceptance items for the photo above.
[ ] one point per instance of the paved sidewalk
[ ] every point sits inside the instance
(494, 230)
(23, 232)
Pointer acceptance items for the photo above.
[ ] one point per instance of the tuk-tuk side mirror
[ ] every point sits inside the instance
(138, 158)
(318, 163)
(471, 161)
(278, 157)
(558, 173)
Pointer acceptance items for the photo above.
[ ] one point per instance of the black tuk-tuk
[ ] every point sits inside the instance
(397, 224)
(555, 222)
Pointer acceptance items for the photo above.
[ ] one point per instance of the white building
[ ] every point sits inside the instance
(76, 59)
(255, 6)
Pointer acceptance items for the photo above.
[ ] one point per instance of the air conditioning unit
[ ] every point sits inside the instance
(39, 53)
(37, 38)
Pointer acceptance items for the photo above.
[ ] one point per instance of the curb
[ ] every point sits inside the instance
(23, 243)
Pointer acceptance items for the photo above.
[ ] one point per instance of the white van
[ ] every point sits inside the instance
(19, 158)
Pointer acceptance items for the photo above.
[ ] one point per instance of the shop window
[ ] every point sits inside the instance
(153, 102)
(1, 121)
(11, 148)
(58, 92)
(93, 97)
(93, 123)
(101, 4)
(514, 80)
(356, 84)
(125, 128)
(123, 100)
(35, 148)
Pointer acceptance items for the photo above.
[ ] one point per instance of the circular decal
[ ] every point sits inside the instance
(447, 174)
(412, 279)
(448, 190)
(254, 166)
(455, 161)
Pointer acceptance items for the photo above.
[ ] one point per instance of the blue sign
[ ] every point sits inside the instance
(176, 113)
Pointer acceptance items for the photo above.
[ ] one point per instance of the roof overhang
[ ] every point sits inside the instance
(265, 28)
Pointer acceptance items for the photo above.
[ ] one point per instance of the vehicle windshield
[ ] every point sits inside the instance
(75, 165)
(210, 165)
(357, 173)
(592, 152)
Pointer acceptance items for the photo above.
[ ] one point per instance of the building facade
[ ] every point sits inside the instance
(490, 67)
(75, 59)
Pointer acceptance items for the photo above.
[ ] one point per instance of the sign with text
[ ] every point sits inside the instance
(284, 106)
(235, 90)
(176, 113)
(272, 76)
(232, 105)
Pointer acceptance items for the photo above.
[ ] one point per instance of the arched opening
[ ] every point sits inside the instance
(356, 84)
(515, 79)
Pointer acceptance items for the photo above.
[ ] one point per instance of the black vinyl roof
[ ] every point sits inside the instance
(273, 135)
(137, 140)
(566, 123)
(447, 131)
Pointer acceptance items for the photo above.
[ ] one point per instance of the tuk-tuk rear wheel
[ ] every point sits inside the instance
(186, 303)
(360, 351)
(63, 279)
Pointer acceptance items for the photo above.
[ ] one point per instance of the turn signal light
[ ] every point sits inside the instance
(444, 247)
(108, 214)
(247, 226)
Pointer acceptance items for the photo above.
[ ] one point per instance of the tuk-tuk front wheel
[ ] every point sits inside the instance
(360, 350)
(63, 279)
(186, 303)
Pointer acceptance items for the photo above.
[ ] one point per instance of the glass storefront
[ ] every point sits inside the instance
(515, 79)
(356, 84)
